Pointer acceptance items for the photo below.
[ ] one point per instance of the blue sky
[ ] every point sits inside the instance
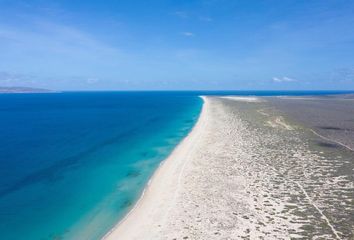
(169, 45)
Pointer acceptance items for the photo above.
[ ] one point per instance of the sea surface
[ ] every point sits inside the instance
(73, 164)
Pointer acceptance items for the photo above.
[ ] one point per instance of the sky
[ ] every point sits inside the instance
(177, 45)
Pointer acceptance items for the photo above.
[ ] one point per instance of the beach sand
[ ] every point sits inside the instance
(246, 172)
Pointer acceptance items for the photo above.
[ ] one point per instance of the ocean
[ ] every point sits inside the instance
(73, 164)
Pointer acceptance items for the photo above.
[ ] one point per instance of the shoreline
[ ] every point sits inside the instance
(125, 226)
(243, 173)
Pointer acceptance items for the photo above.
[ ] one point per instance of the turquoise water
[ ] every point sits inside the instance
(72, 164)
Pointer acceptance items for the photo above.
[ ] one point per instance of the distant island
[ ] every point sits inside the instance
(24, 90)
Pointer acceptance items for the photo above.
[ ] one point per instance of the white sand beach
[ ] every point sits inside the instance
(243, 99)
(151, 211)
(239, 177)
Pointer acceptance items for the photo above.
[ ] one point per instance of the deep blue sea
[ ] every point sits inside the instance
(73, 163)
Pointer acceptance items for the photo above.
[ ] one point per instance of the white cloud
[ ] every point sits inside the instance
(9, 79)
(54, 39)
(206, 19)
(188, 34)
(52, 51)
(181, 14)
(283, 79)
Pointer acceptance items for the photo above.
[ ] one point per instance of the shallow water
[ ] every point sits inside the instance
(72, 164)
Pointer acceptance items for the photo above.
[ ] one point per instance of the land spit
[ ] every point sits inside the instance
(247, 171)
